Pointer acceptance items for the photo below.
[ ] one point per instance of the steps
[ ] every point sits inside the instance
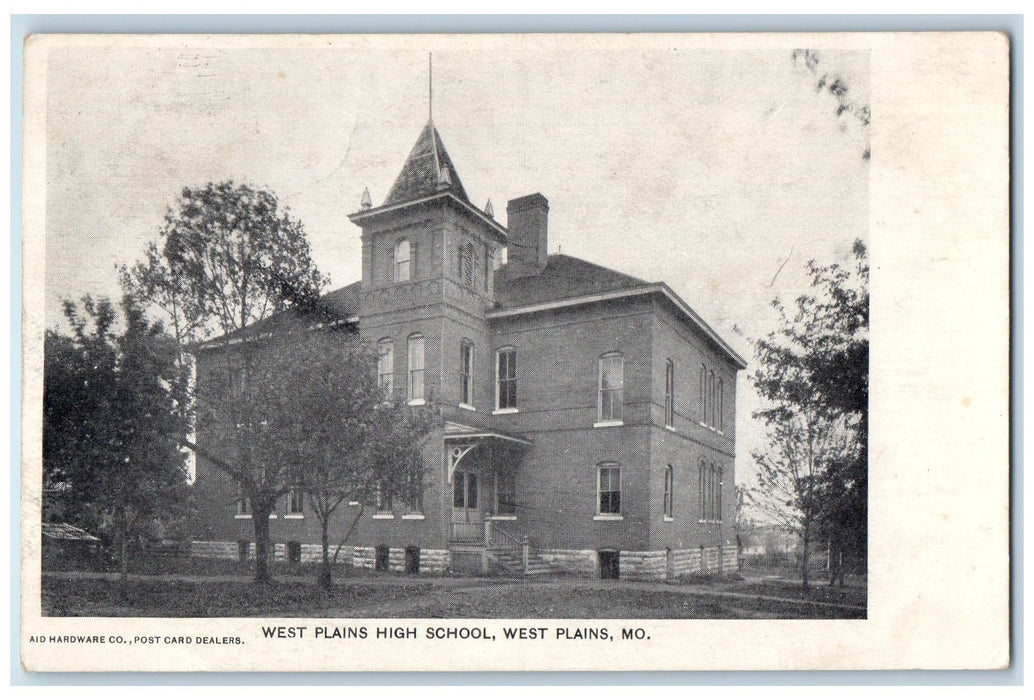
(511, 561)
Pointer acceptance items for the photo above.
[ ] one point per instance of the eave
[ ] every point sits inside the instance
(657, 288)
(497, 228)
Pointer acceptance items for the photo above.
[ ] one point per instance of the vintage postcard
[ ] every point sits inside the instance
(515, 352)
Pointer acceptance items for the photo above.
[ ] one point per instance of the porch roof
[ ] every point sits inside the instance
(456, 432)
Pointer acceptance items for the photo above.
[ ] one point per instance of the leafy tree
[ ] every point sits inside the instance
(113, 422)
(813, 375)
(349, 442)
(229, 257)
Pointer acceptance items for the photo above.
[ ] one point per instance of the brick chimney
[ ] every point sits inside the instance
(526, 220)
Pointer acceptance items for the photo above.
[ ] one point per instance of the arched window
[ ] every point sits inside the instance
(466, 268)
(703, 394)
(609, 489)
(386, 366)
(467, 372)
(710, 400)
(669, 492)
(611, 387)
(506, 379)
(721, 405)
(702, 486)
(718, 495)
(402, 260)
(415, 390)
(669, 394)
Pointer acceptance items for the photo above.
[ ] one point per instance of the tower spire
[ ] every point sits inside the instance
(430, 94)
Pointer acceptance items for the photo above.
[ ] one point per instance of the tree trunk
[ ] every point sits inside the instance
(325, 578)
(124, 560)
(260, 519)
(804, 560)
(123, 548)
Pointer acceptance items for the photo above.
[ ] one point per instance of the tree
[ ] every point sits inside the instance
(350, 441)
(813, 375)
(113, 422)
(229, 257)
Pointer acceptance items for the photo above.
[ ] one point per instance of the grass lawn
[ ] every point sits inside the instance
(388, 596)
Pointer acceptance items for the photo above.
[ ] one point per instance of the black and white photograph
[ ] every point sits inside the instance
(449, 340)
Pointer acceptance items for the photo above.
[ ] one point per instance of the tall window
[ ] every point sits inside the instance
(416, 368)
(710, 492)
(669, 394)
(612, 383)
(384, 500)
(402, 261)
(669, 491)
(415, 490)
(466, 269)
(386, 366)
(721, 406)
(466, 372)
(506, 378)
(710, 400)
(718, 494)
(295, 502)
(505, 494)
(703, 394)
(609, 490)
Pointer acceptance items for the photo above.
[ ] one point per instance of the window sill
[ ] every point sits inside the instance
(710, 522)
(467, 407)
(608, 516)
(238, 516)
(671, 428)
(383, 516)
(412, 516)
(353, 503)
(416, 402)
(272, 516)
(608, 423)
(294, 516)
(504, 411)
(501, 517)
(669, 519)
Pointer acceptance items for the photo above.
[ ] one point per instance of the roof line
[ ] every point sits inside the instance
(654, 288)
(365, 213)
(434, 150)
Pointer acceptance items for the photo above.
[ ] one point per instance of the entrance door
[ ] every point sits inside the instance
(466, 513)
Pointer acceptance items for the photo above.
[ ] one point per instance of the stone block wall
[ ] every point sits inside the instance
(213, 550)
(576, 562)
(397, 559)
(364, 557)
(686, 562)
(435, 561)
(643, 566)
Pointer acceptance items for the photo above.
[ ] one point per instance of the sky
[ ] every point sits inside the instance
(718, 171)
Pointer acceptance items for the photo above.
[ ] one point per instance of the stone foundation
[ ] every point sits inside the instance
(397, 559)
(364, 557)
(213, 550)
(435, 561)
(685, 562)
(643, 566)
(575, 562)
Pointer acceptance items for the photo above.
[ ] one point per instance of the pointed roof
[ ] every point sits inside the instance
(422, 174)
